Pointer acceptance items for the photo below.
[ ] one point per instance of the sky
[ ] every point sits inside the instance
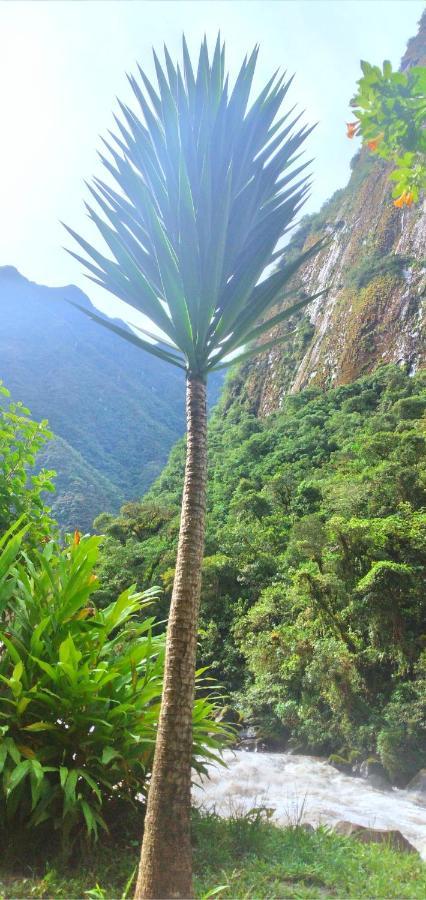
(63, 63)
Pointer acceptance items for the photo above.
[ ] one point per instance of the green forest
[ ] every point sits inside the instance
(313, 603)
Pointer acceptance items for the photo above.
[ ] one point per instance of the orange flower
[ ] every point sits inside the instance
(374, 143)
(404, 199)
(77, 537)
(352, 129)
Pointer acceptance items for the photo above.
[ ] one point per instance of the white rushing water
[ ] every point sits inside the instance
(305, 789)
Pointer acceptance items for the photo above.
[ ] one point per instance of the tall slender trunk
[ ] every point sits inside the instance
(166, 861)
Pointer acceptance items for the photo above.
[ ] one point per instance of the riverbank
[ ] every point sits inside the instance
(304, 789)
(243, 857)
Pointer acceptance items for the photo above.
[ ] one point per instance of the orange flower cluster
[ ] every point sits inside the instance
(352, 129)
(374, 143)
(77, 537)
(405, 199)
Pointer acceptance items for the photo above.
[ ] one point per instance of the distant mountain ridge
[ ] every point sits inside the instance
(115, 410)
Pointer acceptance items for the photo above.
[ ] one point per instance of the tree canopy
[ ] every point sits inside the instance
(390, 111)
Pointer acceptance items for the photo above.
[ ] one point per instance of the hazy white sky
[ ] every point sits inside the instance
(63, 62)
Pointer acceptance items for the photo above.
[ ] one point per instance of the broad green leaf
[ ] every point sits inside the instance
(69, 787)
(89, 816)
(108, 754)
(19, 772)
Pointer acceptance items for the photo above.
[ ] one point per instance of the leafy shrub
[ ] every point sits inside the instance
(374, 265)
(79, 692)
(21, 491)
(410, 407)
(402, 742)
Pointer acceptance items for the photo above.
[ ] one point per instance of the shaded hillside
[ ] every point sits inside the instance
(80, 489)
(375, 269)
(120, 410)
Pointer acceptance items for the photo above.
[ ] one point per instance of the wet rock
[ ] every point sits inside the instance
(307, 827)
(372, 771)
(417, 786)
(341, 764)
(251, 745)
(248, 732)
(250, 740)
(276, 743)
(294, 746)
(392, 838)
(229, 715)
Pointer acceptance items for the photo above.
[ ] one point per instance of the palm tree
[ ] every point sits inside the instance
(205, 188)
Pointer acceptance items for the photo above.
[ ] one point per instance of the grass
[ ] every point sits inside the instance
(243, 857)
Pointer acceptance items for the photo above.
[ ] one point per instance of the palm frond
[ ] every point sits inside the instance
(153, 348)
(202, 185)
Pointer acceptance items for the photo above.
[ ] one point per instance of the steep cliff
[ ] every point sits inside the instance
(375, 270)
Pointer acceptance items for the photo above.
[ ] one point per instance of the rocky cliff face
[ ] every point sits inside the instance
(375, 270)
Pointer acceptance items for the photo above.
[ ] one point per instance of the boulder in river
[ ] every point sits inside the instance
(375, 775)
(340, 763)
(417, 785)
(229, 716)
(366, 835)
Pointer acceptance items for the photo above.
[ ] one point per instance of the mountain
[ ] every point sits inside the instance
(375, 269)
(114, 410)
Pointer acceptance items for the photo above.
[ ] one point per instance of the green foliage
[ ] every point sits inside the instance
(80, 489)
(80, 692)
(21, 491)
(251, 857)
(372, 265)
(190, 262)
(313, 600)
(390, 108)
(240, 857)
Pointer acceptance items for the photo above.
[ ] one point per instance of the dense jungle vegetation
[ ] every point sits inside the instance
(313, 608)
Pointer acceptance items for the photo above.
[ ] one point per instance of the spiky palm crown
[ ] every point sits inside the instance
(206, 187)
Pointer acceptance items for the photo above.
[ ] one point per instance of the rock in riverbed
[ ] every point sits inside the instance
(393, 838)
(417, 786)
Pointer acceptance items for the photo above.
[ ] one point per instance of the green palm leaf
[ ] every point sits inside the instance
(154, 349)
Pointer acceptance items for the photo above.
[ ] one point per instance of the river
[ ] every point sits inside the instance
(307, 789)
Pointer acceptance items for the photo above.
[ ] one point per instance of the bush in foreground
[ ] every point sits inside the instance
(80, 692)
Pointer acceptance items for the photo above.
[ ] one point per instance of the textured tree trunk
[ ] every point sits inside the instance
(166, 861)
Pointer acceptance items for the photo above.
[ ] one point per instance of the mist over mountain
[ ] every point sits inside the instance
(115, 411)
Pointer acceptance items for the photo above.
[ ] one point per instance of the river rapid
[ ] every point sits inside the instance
(307, 789)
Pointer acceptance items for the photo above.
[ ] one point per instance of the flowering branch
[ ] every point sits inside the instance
(390, 111)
